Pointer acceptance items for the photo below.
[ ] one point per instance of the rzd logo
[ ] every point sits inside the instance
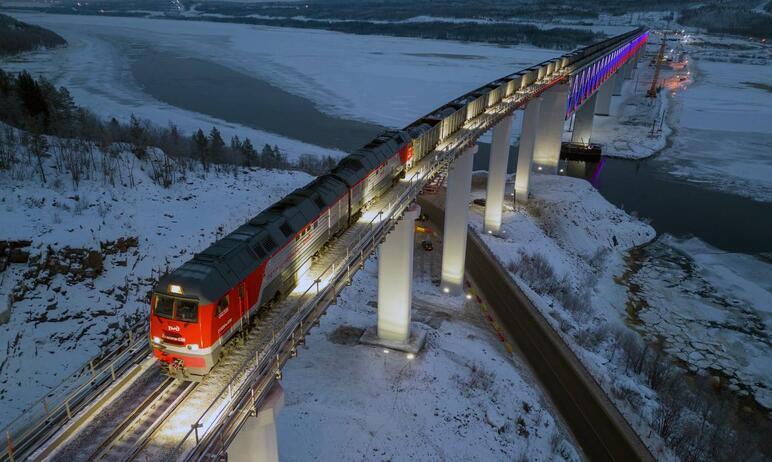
(173, 328)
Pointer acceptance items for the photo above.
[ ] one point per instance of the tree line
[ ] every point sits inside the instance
(38, 108)
(17, 37)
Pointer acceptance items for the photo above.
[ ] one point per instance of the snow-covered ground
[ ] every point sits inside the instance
(627, 132)
(583, 240)
(463, 397)
(59, 325)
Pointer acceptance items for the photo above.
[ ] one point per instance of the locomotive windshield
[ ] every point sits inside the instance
(174, 308)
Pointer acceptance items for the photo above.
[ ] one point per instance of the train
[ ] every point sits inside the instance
(198, 307)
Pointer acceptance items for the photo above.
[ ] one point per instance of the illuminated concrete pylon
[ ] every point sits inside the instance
(603, 103)
(497, 175)
(525, 150)
(257, 440)
(457, 194)
(395, 279)
(583, 121)
(546, 147)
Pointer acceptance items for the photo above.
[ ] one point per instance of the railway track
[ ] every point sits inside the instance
(136, 429)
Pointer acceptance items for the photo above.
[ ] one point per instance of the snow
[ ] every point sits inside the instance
(721, 117)
(627, 132)
(463, 397)
(585, 240)
(723, 316)
(50, 334)
(386, 80)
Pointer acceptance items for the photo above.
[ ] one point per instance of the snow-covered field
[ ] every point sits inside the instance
(59, 325)
(463, 397)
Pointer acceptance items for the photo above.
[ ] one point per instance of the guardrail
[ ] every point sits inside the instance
(51, 412)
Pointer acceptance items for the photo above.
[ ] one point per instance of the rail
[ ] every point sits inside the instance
(53, 411)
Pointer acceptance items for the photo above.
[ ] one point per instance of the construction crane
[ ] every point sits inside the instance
(652, 93)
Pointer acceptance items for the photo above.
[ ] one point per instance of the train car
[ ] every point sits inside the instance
(373, 169)
(425, 134)
(199, 306)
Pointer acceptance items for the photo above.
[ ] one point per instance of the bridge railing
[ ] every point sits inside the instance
(210, 427)
(50, 413)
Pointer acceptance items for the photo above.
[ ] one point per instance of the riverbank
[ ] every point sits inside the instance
(570, 250)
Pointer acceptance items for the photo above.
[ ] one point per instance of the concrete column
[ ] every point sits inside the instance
(395, 279)
(628, 68)
(619, 79)
(456, 222)
(546, 148)
(257, 439)
(497, 175)
(603, 103)
(583, 121)
(525, 150)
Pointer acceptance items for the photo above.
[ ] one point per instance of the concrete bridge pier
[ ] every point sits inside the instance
(395, 279)
(395, 289)
(459, 188)
(525, 150)
(603, 102)
(628, 68)
(497, 175)
(257, 441)
(619, 79)
(583, 121)
(546, 148)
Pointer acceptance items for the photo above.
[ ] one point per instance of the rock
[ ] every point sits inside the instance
(95, 261)
(18, 256)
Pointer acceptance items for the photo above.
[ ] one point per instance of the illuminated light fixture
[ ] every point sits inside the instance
(445, 289)
(561, 170)
(156, 340)
(468, 296)
(410, 356)
(385, 351)
(539, 168)
(175, 289)
(490, 232)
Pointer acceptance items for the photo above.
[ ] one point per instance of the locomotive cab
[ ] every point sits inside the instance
(176, 336)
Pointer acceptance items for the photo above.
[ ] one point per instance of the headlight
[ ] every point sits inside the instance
(192, 346)
(156, 340)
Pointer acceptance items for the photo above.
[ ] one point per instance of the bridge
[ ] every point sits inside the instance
(120, 407)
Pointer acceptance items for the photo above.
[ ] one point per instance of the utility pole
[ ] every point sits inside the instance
(652, 93)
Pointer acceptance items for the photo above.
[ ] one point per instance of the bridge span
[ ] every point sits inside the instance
(203, 421)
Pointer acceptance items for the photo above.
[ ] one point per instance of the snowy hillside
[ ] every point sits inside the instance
(95, 251)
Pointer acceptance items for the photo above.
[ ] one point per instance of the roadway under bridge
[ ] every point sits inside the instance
(119, 407)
